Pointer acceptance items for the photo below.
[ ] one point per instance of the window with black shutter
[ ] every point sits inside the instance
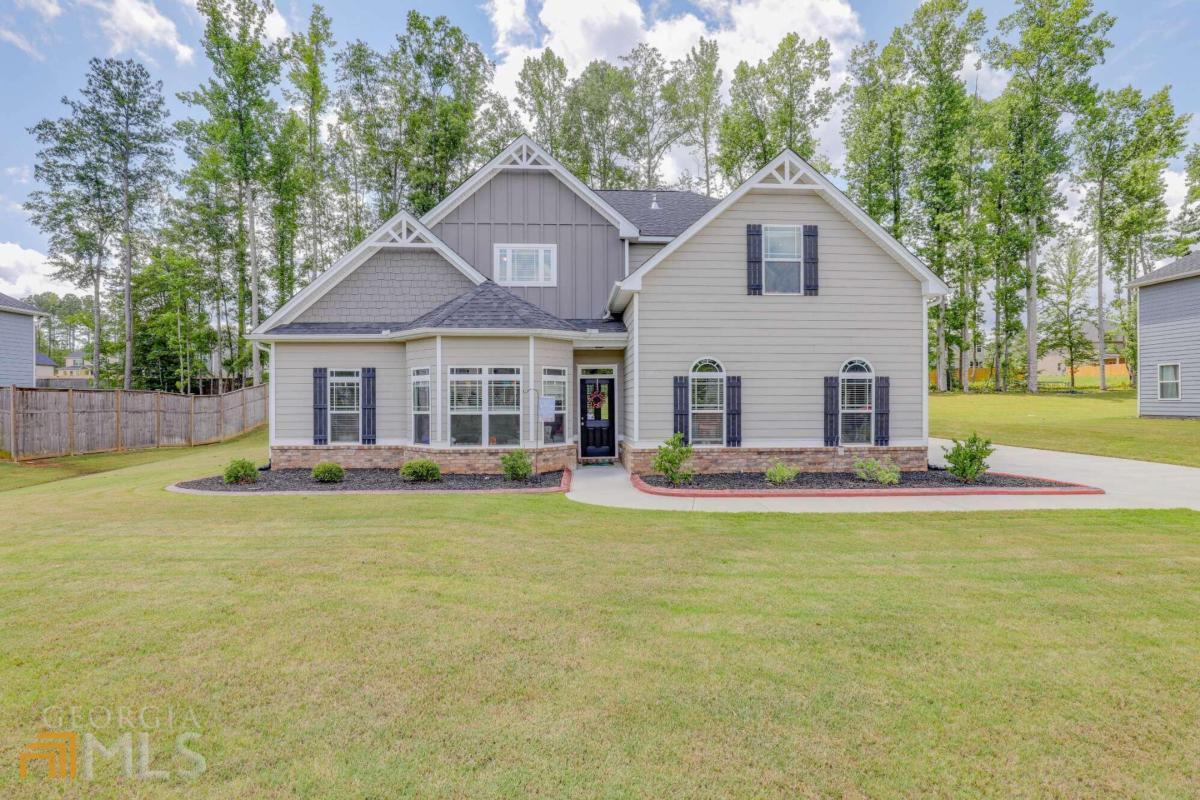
(733, 411)
(368, 405)
(754, 264)
(681, 406)
(320, 405)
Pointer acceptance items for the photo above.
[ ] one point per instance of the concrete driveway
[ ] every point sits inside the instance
(1127, 483)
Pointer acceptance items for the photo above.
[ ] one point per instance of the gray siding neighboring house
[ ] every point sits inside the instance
(1169, 339)
(18, 354)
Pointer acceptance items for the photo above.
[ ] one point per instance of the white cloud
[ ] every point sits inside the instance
(275, 27)
(20, 42)
(1176, 190)
(138, 26)
(46, 9)
(20, 174)
(980, 75)
(24, 271)
(745, 30)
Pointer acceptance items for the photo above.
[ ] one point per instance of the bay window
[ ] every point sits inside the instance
(485, 406)
(554, 384)
(421, 405)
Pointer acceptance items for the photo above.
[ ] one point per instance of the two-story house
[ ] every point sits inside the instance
(1168, 374)
(529, 310)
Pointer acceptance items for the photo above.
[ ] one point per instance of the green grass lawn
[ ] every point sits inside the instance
(489, 646)
(1103, 424)
(48, 470)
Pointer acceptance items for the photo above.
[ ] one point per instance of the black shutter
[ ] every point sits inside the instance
(733, 411)
(810, 259)
(320, 405)
(754, 269)
(831, 411)
(681, 406)
(882, 412)
(368, 405)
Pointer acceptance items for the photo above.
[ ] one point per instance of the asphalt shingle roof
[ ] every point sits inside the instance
(44, 360)
(1184, 267)
(14, 303)
(487, 305)
(676, 212)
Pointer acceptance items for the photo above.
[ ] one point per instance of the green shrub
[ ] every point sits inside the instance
(670, 458)
(876, 471)
(328, 472)
(780, 473)
(516, 465)
(421, 470)
(241, 470)
(967, 460)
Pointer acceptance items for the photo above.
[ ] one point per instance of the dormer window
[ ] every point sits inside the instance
(526, 264)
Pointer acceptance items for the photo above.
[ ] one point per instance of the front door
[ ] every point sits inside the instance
(597, 418)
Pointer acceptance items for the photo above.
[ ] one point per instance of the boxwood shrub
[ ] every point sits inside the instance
(328, 472)
(421, 469)
(241, 470)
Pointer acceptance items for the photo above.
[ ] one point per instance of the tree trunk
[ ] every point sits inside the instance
(1100, 348)
(127, 234)
(255, 360)
(942, 382)
(96, 275)
(966, 356)
(1031, 309)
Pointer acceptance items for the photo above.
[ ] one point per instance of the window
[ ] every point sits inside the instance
(708, 402)
(420, 405)
(1168, 382)
(485, 406)
(783, 259)
(345, 406)
(857, 423)
(554, 384)
(526, 264)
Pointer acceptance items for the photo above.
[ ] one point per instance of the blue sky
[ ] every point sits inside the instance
(45, 46)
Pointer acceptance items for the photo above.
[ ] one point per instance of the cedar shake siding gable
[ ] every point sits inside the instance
(525, 207)
(394, 285)
(1169, 333)
(694, 304)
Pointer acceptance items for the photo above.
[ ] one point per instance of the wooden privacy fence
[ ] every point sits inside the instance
(44, 423)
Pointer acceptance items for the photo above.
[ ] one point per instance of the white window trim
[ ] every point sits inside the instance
(724, 410)
(329, 380)
(799, 259)
(553, 248)
(1178, 380)
(843, 375)
(565, 380)
(485, 375)
(413, 380)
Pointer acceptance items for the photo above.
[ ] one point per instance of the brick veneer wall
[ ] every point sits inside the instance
(754, 459)
(451, 460)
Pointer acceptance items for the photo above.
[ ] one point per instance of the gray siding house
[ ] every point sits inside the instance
(1169, 339)
(529, 310)
(18, 348)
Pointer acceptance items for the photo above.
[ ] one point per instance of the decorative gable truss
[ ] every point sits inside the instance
(789, 173)
(523, 155)
(403, 231)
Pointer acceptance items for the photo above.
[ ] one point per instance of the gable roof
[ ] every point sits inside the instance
(1185, 267)
(676, 209)
(16, 306)
(44, 360)
(789, 172)
(401, 231)
(527, 155)
(489, 305)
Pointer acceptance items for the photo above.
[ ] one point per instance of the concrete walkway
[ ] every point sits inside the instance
(1128, 484)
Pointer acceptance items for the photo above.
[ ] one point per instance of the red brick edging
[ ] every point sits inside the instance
(1060, 488)
(563, 487)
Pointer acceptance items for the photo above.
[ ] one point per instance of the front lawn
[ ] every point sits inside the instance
(1104, 424)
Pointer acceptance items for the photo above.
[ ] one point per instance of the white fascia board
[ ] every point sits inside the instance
(412, 234)
(23, 312)
(500, 163)
(581, 338)
(1150, 280)
(932, 285)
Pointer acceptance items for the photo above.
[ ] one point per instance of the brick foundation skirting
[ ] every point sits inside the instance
(757, 459)
(384, 456)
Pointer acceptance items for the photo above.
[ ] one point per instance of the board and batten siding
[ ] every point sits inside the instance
(391, 286)
(292, 373)
(694, 305)
(17, 357)
(537, 208)
(1169, 333)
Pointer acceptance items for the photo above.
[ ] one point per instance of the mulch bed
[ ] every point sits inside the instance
(374, 480)
(935, 481)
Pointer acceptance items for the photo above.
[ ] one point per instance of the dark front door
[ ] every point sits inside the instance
(597, 418)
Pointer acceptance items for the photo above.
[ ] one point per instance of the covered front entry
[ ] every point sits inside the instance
(598, 413)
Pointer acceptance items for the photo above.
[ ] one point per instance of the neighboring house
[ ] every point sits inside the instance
(1169, 339)
(75, 365)
(780, 322)
(18, 342)
(1054, 362)
(44, 367)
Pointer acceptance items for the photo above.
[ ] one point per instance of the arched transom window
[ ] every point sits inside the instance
(857, 411)
(707, 423)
